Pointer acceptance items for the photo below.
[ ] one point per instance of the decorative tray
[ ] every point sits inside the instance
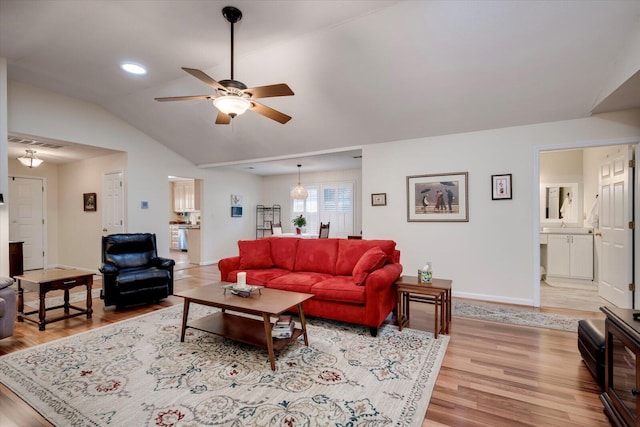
(242, 291)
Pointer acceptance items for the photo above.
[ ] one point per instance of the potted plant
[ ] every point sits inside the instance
(299, 222)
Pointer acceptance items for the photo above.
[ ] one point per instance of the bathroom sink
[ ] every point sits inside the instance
(558, 230)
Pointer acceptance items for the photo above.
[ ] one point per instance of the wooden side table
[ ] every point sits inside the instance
(51, 280)
(439, 290)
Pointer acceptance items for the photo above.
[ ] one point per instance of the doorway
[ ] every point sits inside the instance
(26, 219)
(579, 165)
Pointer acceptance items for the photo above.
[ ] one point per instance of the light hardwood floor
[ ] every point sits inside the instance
(493, 374)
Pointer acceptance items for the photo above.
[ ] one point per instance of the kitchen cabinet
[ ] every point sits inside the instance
(186, 196)
(173, 236)
(570, 256)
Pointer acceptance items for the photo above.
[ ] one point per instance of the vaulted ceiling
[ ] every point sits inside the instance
(363, 72)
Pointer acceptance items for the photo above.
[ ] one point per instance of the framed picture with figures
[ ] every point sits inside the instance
(438, 197)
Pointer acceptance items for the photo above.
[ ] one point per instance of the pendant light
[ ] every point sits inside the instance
(30, 160)
(299, 193)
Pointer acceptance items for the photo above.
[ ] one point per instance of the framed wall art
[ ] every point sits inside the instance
(501, 188)
(90, 203)
(438, 197)
(379, 199)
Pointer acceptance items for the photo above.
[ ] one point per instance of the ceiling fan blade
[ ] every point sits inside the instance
(223, 119)
(184, 98)
(202, 76)
(268, 91)
(269, 112)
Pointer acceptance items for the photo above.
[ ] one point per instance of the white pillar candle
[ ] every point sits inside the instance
(242, 278)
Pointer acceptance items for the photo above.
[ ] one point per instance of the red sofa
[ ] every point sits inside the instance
(351, 280)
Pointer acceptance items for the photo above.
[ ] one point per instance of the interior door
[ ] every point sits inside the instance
(112, 202)
(26, 219)
(616, 213)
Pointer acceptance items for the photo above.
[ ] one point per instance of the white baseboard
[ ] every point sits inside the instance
(494, 298)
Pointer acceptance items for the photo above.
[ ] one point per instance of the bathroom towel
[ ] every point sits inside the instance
(594, 215)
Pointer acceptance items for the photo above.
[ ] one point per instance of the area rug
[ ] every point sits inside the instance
(517, 316)
(138, 371)
(74, 297)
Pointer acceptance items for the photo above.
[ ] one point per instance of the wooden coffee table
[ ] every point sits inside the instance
(266, 303)
(51, 280)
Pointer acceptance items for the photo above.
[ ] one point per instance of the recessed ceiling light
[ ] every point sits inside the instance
(133, 68)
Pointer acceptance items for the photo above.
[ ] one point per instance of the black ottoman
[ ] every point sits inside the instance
(591, 342)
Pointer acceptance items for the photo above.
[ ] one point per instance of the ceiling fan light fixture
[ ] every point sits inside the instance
(30, 160)
(299, 193)
(231, 105)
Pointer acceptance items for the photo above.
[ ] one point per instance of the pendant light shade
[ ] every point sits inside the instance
(30, 160)
(299, 193)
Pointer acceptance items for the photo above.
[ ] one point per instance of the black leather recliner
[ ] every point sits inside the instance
(132, 272)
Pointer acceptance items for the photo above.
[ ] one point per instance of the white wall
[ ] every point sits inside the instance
(276, 189)
(492, 256)
(37, 112)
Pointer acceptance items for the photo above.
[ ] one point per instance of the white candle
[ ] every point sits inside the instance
(242, 278)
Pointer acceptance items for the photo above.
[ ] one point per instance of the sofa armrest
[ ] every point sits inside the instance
(227, 265)
(164, 263)
(109, 268)
(383, 278)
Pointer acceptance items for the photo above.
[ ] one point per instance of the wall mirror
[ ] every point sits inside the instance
(560, 203)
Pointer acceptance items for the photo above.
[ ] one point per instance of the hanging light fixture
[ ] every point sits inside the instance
(30, 160)
(299, 193)
(231, 105)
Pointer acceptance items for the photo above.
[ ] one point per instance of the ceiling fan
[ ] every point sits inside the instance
(233, 97)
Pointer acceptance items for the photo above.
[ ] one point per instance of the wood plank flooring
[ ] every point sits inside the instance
(493, 374)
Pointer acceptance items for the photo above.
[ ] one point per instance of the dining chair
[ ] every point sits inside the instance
(276, 229)
(324, 231)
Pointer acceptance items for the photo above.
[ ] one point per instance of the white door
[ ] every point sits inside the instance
(616, 212)
(26, 219)
(112, 202)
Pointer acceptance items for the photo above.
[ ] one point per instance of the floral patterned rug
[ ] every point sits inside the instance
(517, 316)
(139, 371)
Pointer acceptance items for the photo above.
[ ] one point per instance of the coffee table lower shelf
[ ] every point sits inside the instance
(240, 328)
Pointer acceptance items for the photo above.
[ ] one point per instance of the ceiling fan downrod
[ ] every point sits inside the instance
(233, 15)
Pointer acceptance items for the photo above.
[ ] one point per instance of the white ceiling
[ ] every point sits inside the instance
(363, 72)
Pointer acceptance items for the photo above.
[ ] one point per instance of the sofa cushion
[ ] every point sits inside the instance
(339, 288)
(283, 252)
(297, 282)
(350, 252)
(371, 260)
(254, 254)
(317, 255)
(5, 282)
(258, 277)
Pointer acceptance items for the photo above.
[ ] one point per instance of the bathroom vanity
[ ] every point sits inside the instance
(569, 255)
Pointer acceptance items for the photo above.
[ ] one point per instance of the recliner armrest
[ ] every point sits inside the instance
(164, 263)
(109, 268)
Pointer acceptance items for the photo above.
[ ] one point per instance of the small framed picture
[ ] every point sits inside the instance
(379, 199)
(236, 211)
(90, 204)
(501, 187)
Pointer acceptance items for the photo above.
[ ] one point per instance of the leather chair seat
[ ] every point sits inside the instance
(138, 278)
(591, 344)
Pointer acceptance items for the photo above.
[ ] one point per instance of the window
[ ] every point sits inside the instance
(328, 202)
